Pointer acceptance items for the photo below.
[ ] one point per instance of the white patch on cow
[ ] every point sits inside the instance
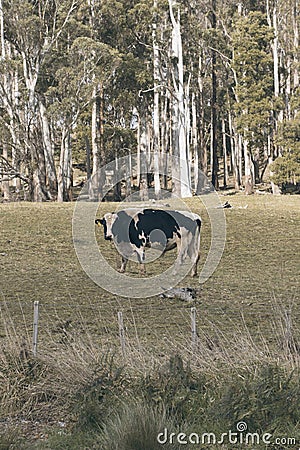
(189, 214)
(143, 237)
(110, 219)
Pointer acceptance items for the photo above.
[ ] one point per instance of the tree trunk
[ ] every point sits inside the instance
(65, 168)
(179, 141)
(202, 148)
(249, 173)
(5, 184)
(176, 183)
(143, 156)
(165, 139)
(295, 19)
(88, 161)
(213, 142)
(117, 183)
(274, 150)
(195, 145)
(234, 153)
(156, 128)
(224, 140)
(97, 143)
(48, 150)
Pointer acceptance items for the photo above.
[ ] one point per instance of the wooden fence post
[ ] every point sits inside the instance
(121, 332)
(35, 327)
(194, 327)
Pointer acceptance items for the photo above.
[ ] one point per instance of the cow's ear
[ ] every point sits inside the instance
(99, 222)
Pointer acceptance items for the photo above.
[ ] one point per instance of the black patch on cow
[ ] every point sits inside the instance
(155, 219)
(198, 222)
(103, 223)
(186, 222)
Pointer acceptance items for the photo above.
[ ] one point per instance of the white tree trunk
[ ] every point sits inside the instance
(225, 176)
(195, 144)
(156, 128)
(5, 184)
(143, 157)
(179, 104)
(249, 172)
(95, 182)
(234, 160)
(64, 176)
(48, 149)
(296, 44)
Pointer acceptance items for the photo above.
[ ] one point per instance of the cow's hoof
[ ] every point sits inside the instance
(121, 270)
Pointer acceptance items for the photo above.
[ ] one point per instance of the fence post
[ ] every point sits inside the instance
(121, 332)
(35, 327)
(193, 327)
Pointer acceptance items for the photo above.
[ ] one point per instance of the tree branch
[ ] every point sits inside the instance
(8, 172)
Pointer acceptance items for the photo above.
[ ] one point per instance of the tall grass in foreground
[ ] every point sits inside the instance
(86, 394)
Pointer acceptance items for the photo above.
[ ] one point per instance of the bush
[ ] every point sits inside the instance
(63, 441)
(99, 395)
(266, 400)
(18, 379)
(136, 427)
(177, 391)
(286, 168)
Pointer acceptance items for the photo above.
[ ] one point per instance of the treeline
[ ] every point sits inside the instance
(212, 83)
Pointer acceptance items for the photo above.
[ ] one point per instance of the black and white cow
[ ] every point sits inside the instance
(133, 230)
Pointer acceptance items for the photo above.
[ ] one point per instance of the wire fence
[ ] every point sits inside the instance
(119, 322)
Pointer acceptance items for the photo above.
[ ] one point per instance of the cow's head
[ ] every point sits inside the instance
(107, 223)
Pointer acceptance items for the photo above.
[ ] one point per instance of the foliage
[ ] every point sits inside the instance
(93, 401)
(135, 426)
(253, 67)
(59, 53)
(77, 440)
(265, 399)
(18, 376)
(176, 391)
(286, 168)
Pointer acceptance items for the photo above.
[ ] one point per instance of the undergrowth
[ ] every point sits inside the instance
(81, 396)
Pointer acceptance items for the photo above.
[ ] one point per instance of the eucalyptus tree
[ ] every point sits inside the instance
(32, 30)
(283, 17)
(254, 105)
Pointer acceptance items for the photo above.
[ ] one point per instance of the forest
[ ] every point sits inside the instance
(214, 84)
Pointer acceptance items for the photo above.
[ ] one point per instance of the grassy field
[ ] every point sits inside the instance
(257, 278)
(247, 314)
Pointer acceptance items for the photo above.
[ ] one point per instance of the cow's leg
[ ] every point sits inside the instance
(195, 262)
(195, 253)
(123, 264)
(181, 255)
(141, 259)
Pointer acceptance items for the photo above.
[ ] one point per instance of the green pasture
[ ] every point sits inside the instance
(254, 288)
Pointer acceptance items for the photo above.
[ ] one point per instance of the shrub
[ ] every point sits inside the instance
(266, 399)
(63, 441)
(177, 391)
(18, 379)
(99, 395)
(136, 427)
